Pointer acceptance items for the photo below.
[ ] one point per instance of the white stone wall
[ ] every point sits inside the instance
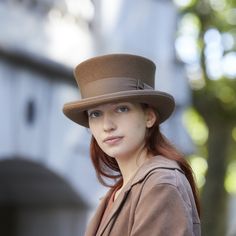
(32, 125)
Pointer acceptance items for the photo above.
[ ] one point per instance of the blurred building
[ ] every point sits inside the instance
(47, 183)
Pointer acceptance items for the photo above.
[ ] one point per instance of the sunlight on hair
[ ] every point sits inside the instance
(230, 179)
(199, 166)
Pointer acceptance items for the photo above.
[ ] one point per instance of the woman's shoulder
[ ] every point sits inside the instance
(165, 173)
(163, 179)
(160, 170)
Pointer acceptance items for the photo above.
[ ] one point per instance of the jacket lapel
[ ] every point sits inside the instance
(115, 208)
(157, 162)
(95, 221)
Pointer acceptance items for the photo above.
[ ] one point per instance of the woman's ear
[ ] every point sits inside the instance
(151, 117)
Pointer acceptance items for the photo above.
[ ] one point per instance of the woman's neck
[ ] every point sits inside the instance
(129, 165)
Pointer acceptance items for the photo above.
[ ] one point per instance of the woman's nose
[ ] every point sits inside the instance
(108, 123)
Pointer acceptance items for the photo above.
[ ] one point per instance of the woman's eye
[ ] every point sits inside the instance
(122, 109)
(94, 114)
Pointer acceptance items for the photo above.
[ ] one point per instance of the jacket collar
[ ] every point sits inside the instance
(157, 162)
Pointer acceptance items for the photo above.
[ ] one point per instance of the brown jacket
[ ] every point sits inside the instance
(157, 201)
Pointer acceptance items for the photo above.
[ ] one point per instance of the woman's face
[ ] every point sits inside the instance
(120, 128)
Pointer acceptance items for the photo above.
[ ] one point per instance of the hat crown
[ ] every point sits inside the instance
(114, 73)
(117, 78)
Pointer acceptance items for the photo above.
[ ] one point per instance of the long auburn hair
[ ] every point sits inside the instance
(106, 167)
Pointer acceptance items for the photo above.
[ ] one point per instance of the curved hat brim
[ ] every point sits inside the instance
(163, 102)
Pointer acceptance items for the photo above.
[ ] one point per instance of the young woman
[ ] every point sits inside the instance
(152, 192)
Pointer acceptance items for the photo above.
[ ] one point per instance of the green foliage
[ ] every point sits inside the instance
(211, 123)
(195, 126)
(218, 99)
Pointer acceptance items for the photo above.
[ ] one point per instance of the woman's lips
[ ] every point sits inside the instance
(112, 140)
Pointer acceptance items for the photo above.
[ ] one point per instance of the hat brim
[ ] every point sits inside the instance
(163, 102)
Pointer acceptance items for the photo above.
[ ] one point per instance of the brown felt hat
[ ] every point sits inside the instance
(117, 78)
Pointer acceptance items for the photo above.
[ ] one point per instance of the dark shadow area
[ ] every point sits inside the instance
(36, 201)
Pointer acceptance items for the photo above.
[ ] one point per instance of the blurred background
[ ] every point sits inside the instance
(47, 184)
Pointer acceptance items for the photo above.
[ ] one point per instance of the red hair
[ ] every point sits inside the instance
(157, 144)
